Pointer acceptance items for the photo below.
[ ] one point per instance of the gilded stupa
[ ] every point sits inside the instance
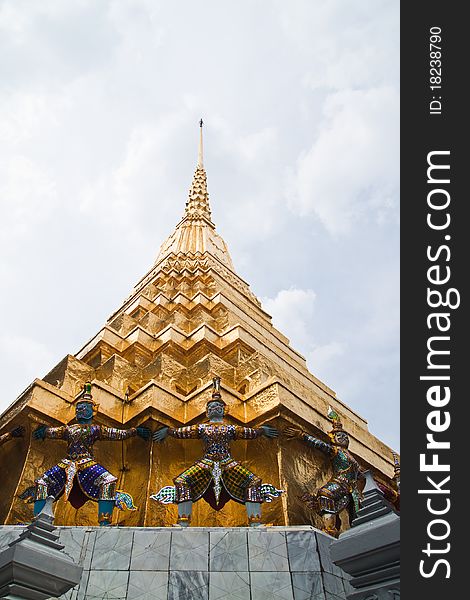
(189, 318)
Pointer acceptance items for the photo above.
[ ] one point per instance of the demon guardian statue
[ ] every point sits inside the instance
(341, 491)
(78, 475)
(217, 477)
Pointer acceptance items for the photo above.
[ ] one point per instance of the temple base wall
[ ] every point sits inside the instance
(200, 563)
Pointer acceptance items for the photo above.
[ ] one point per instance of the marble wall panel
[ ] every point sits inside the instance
(188, 585)
(303, 551)
(151, 550)
(111, 585)
(112, 547)
(189, 550)
(79, 591)
(147, 585)
(200, 564)
(308, 586)
(324, 542)
(267, 550)
(271, 585)
(75, 541)
(229, 585)
(334, 588)
(348, 588)
(228, 550)
(8, 534)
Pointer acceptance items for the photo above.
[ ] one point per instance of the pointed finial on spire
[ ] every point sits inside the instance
(198, 202)
(200, 163)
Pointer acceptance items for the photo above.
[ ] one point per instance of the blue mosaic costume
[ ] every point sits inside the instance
(78, 475)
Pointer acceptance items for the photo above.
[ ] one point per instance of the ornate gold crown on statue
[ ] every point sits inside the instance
(334, 417)
(86, 396)
(216, 395)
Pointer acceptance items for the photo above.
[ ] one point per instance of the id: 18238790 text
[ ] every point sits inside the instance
(435, 70)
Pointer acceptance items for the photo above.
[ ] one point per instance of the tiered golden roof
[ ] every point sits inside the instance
(189, 318)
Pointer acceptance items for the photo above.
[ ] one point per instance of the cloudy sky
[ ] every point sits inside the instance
(99, 110)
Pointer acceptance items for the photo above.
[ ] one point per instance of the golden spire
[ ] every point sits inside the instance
(197, 205)
(195, 233)
(200, 161)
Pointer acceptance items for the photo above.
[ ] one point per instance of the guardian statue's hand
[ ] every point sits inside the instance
(310, 500)
(144, 432)
(17, 432)
(160, 434)
(269, 432)
(292, 432)
(40, 432)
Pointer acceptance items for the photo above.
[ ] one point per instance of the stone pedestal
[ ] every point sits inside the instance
(33, 565)
(370, 551)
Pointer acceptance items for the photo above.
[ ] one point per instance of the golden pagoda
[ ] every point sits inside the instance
(189, 318)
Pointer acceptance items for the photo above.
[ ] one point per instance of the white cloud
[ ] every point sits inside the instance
(23, 359)
(292, 312)
(321, 357)
(367, 55)
(24, 115)
(27, 197)
(99, 144)
(294, 315)
(357, 146)
(251, 204)
(355, 353)
(140, 180)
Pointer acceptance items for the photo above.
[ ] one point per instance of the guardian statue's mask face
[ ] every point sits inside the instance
(215, 409)
(341, 438)
(84, 412)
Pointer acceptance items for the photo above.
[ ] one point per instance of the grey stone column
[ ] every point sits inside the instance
(370, 550)
(34, 566)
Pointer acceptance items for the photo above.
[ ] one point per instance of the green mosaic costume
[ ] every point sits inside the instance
(217, 477)
(341, 490)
